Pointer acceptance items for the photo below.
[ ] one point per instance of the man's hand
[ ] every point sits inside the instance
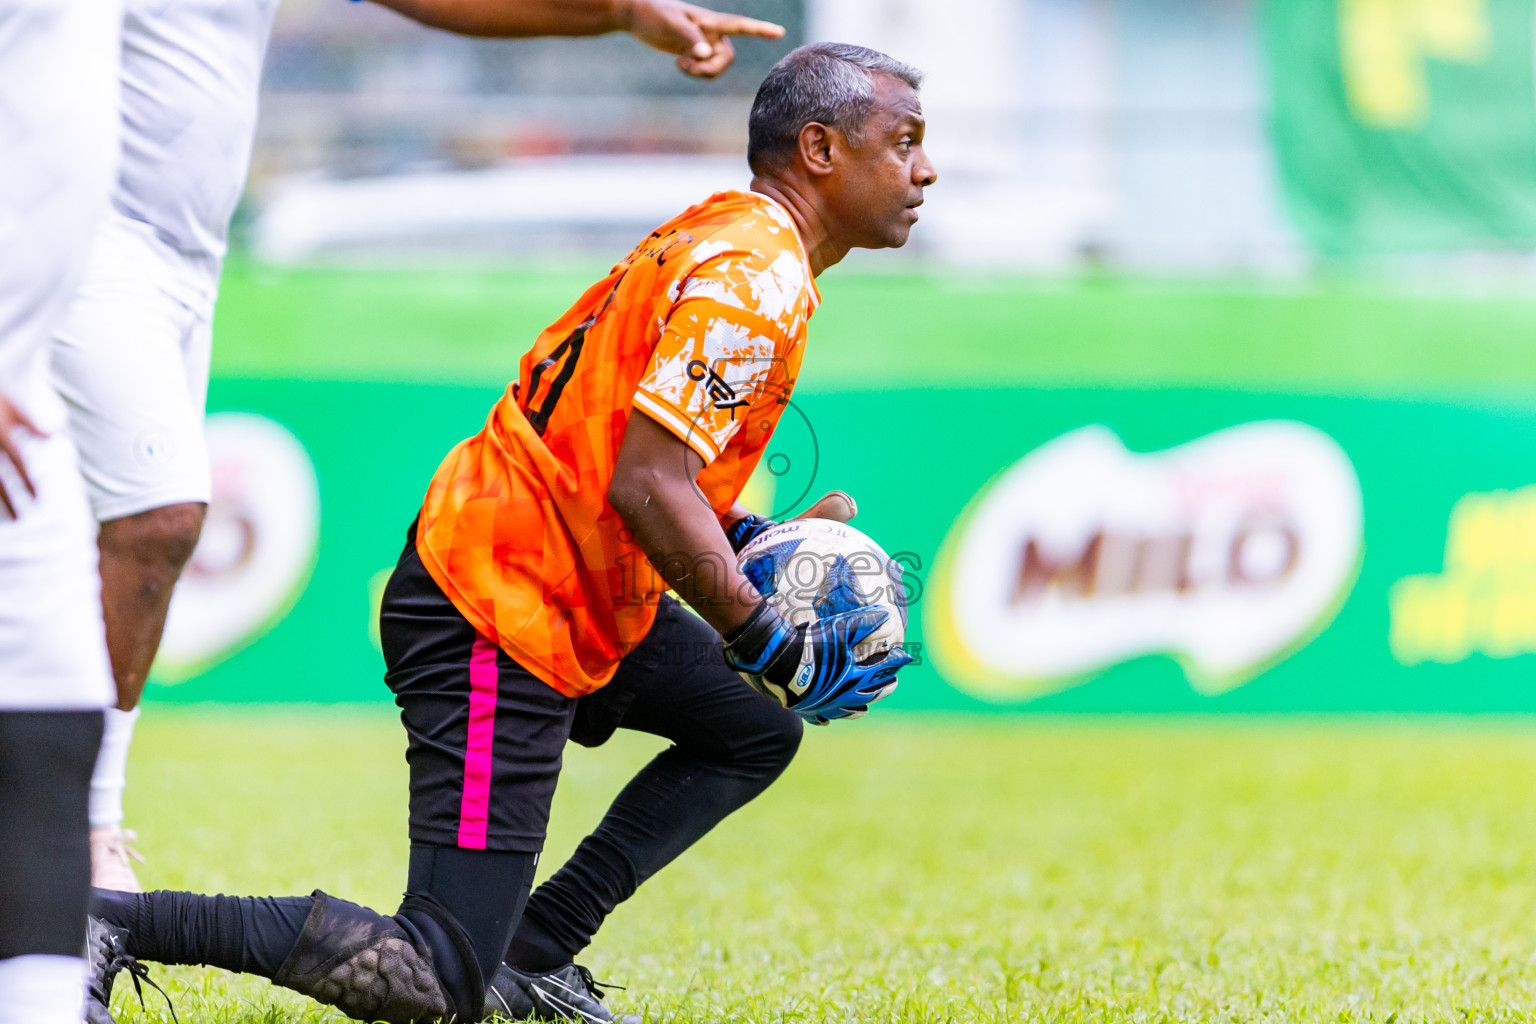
(698, 35)
(811, 669)
(814, 669)
(742, 525)
(13, 419)
(837, 506)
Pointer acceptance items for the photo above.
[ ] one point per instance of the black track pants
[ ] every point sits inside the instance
(485, 738)
(485, 743)
(729, 743)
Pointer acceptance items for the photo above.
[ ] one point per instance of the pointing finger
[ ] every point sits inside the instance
(717, 23)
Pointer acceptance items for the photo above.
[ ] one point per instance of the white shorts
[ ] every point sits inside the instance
(53, 646)
(58, 140)
(131, 360)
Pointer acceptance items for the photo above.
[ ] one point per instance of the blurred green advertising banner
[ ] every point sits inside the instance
(1065, 550)
(1405, 125)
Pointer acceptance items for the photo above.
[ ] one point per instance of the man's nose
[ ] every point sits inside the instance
(923, 172)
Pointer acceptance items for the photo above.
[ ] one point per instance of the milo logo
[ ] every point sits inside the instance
(1227, 553)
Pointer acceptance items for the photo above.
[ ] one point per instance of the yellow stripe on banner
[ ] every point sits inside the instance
(1384, 44)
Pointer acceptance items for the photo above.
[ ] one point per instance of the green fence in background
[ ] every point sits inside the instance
(1074, 549)
(1118, 494)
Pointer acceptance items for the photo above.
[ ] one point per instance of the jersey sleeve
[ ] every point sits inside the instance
(717, 350)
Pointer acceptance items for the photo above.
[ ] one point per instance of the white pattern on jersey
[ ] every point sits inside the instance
(191, 78)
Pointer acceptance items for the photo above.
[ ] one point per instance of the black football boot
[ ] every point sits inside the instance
(106, 956)
(565, 993)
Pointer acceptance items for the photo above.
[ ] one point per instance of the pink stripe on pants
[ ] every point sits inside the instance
(475, 808)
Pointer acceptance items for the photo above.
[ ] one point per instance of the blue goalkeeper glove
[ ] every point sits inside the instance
(742, 532)
(812, 669)
(838, 506)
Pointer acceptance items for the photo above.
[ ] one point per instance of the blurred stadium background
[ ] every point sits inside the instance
(1208, 384)
(1070, 133)
(1165, 220)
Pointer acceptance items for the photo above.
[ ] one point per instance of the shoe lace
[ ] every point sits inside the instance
(118, 845)
(123, 846)
(599, 989)
(121, 962)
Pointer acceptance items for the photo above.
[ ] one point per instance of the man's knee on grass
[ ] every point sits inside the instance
(414, 968)
(368, 966)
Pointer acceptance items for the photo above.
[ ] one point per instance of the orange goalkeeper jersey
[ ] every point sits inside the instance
(701, 328)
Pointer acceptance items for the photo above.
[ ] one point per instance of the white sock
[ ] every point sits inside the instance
(42, 990)
(111, 773)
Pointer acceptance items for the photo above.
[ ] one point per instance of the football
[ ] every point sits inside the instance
(811, 568)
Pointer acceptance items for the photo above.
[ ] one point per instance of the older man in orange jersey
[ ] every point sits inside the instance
(530, 605)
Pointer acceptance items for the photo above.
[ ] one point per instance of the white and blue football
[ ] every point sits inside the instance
(812, 568)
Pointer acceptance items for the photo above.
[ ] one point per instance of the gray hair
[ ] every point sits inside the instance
(824, 83)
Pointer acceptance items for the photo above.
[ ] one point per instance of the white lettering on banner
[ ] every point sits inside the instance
(1227, 553)
(256, 550)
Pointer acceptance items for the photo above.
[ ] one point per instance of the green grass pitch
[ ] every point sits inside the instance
(923, 870)
(917, 871)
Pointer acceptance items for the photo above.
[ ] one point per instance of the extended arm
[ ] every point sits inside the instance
(697, 35)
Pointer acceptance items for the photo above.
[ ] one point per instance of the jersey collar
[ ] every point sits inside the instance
(805, 254)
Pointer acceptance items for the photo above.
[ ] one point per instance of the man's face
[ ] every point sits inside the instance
(881, 182)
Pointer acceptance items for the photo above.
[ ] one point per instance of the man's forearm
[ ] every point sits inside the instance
(508, 19)
(681, 537)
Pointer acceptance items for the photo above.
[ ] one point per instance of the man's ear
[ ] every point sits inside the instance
(816, 144)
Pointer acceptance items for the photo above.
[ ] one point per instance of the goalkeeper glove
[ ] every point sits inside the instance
(742, 532)
(812, 669)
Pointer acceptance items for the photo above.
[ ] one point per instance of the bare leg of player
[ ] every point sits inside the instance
(141, 559)
(131, 362)
(142, 556)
